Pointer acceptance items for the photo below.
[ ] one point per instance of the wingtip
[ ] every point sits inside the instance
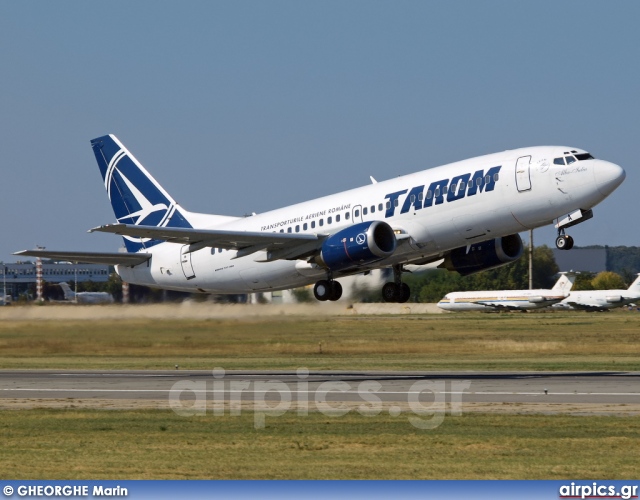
(105, 228)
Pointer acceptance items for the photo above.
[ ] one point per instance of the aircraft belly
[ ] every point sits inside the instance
(283, 275)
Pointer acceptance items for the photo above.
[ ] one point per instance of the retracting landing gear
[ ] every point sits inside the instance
(564, 241)
(327, 290)
(396, 291)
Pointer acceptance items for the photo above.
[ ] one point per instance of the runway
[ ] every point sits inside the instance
(601, 392)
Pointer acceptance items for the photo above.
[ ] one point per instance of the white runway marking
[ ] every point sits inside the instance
(246, 391)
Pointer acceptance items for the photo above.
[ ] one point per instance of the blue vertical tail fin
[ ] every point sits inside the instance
(136, 197)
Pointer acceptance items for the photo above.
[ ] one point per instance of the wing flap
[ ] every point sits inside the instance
(110, 259)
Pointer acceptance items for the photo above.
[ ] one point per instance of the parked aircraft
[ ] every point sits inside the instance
(85, 297)
(513, 300)
(469, 213)
(601, 300)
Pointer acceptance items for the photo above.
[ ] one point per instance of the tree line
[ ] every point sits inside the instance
(430, 286)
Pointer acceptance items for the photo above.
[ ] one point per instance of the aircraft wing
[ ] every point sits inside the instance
(110, 259)
(490, 304)
(497, 305)
(586, 307)
(538, 301)
(281, 245)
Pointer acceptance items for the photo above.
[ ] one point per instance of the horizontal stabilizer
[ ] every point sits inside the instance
(110, 259)
(210, 237)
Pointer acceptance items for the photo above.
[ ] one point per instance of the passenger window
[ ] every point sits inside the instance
(413, 198)
(365, 211)
(338, 218)
(298, 228)
(558, 161)
(304, 226)
(478, 181)
(487, 179)
(373, 209)
(322, 222)
(388, 205)
(347, 215)
(313, 224)
(429, 194)
(470, 184)
(570, 160)
(420, 196)
(282, 230)
(357, 213)
(288, 230)
(396, 202)
(496, 177)
(453, 188)
(437, 192)
(380, 207)
(329, 220)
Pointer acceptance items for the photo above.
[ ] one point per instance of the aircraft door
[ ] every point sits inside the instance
(523, 173)
(185, 262)
(356, 214)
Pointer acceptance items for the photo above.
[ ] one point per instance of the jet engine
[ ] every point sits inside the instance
(358, 245)
(486, 255)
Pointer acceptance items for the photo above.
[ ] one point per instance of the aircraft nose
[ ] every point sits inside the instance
(608, 176)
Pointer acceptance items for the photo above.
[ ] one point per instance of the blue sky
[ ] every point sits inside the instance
(245, 106)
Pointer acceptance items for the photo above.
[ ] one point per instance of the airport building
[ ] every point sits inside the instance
(17, 277)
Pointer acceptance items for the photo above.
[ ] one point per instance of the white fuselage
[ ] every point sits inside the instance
(502, 299)
(433, 222)
(598, 299)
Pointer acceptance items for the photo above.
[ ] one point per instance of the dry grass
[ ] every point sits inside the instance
(539, 341)
(98, 444)
(80, 444)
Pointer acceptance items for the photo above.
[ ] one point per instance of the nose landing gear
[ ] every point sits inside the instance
(564, 241)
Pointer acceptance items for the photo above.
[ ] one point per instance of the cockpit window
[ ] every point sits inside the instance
(572, 158)
(584, 156)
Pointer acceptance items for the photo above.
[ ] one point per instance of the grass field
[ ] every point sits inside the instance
(512, 341)
(72, 444)
(123, 444)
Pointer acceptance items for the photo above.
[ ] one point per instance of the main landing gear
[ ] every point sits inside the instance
(396, 291)
(327, 290)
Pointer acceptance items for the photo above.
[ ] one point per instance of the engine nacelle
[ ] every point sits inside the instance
(358, 245)
(486, 255)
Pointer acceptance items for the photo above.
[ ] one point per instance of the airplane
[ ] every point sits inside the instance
(511, 300)
(601, 300)
(85, 297)
(468, 213)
